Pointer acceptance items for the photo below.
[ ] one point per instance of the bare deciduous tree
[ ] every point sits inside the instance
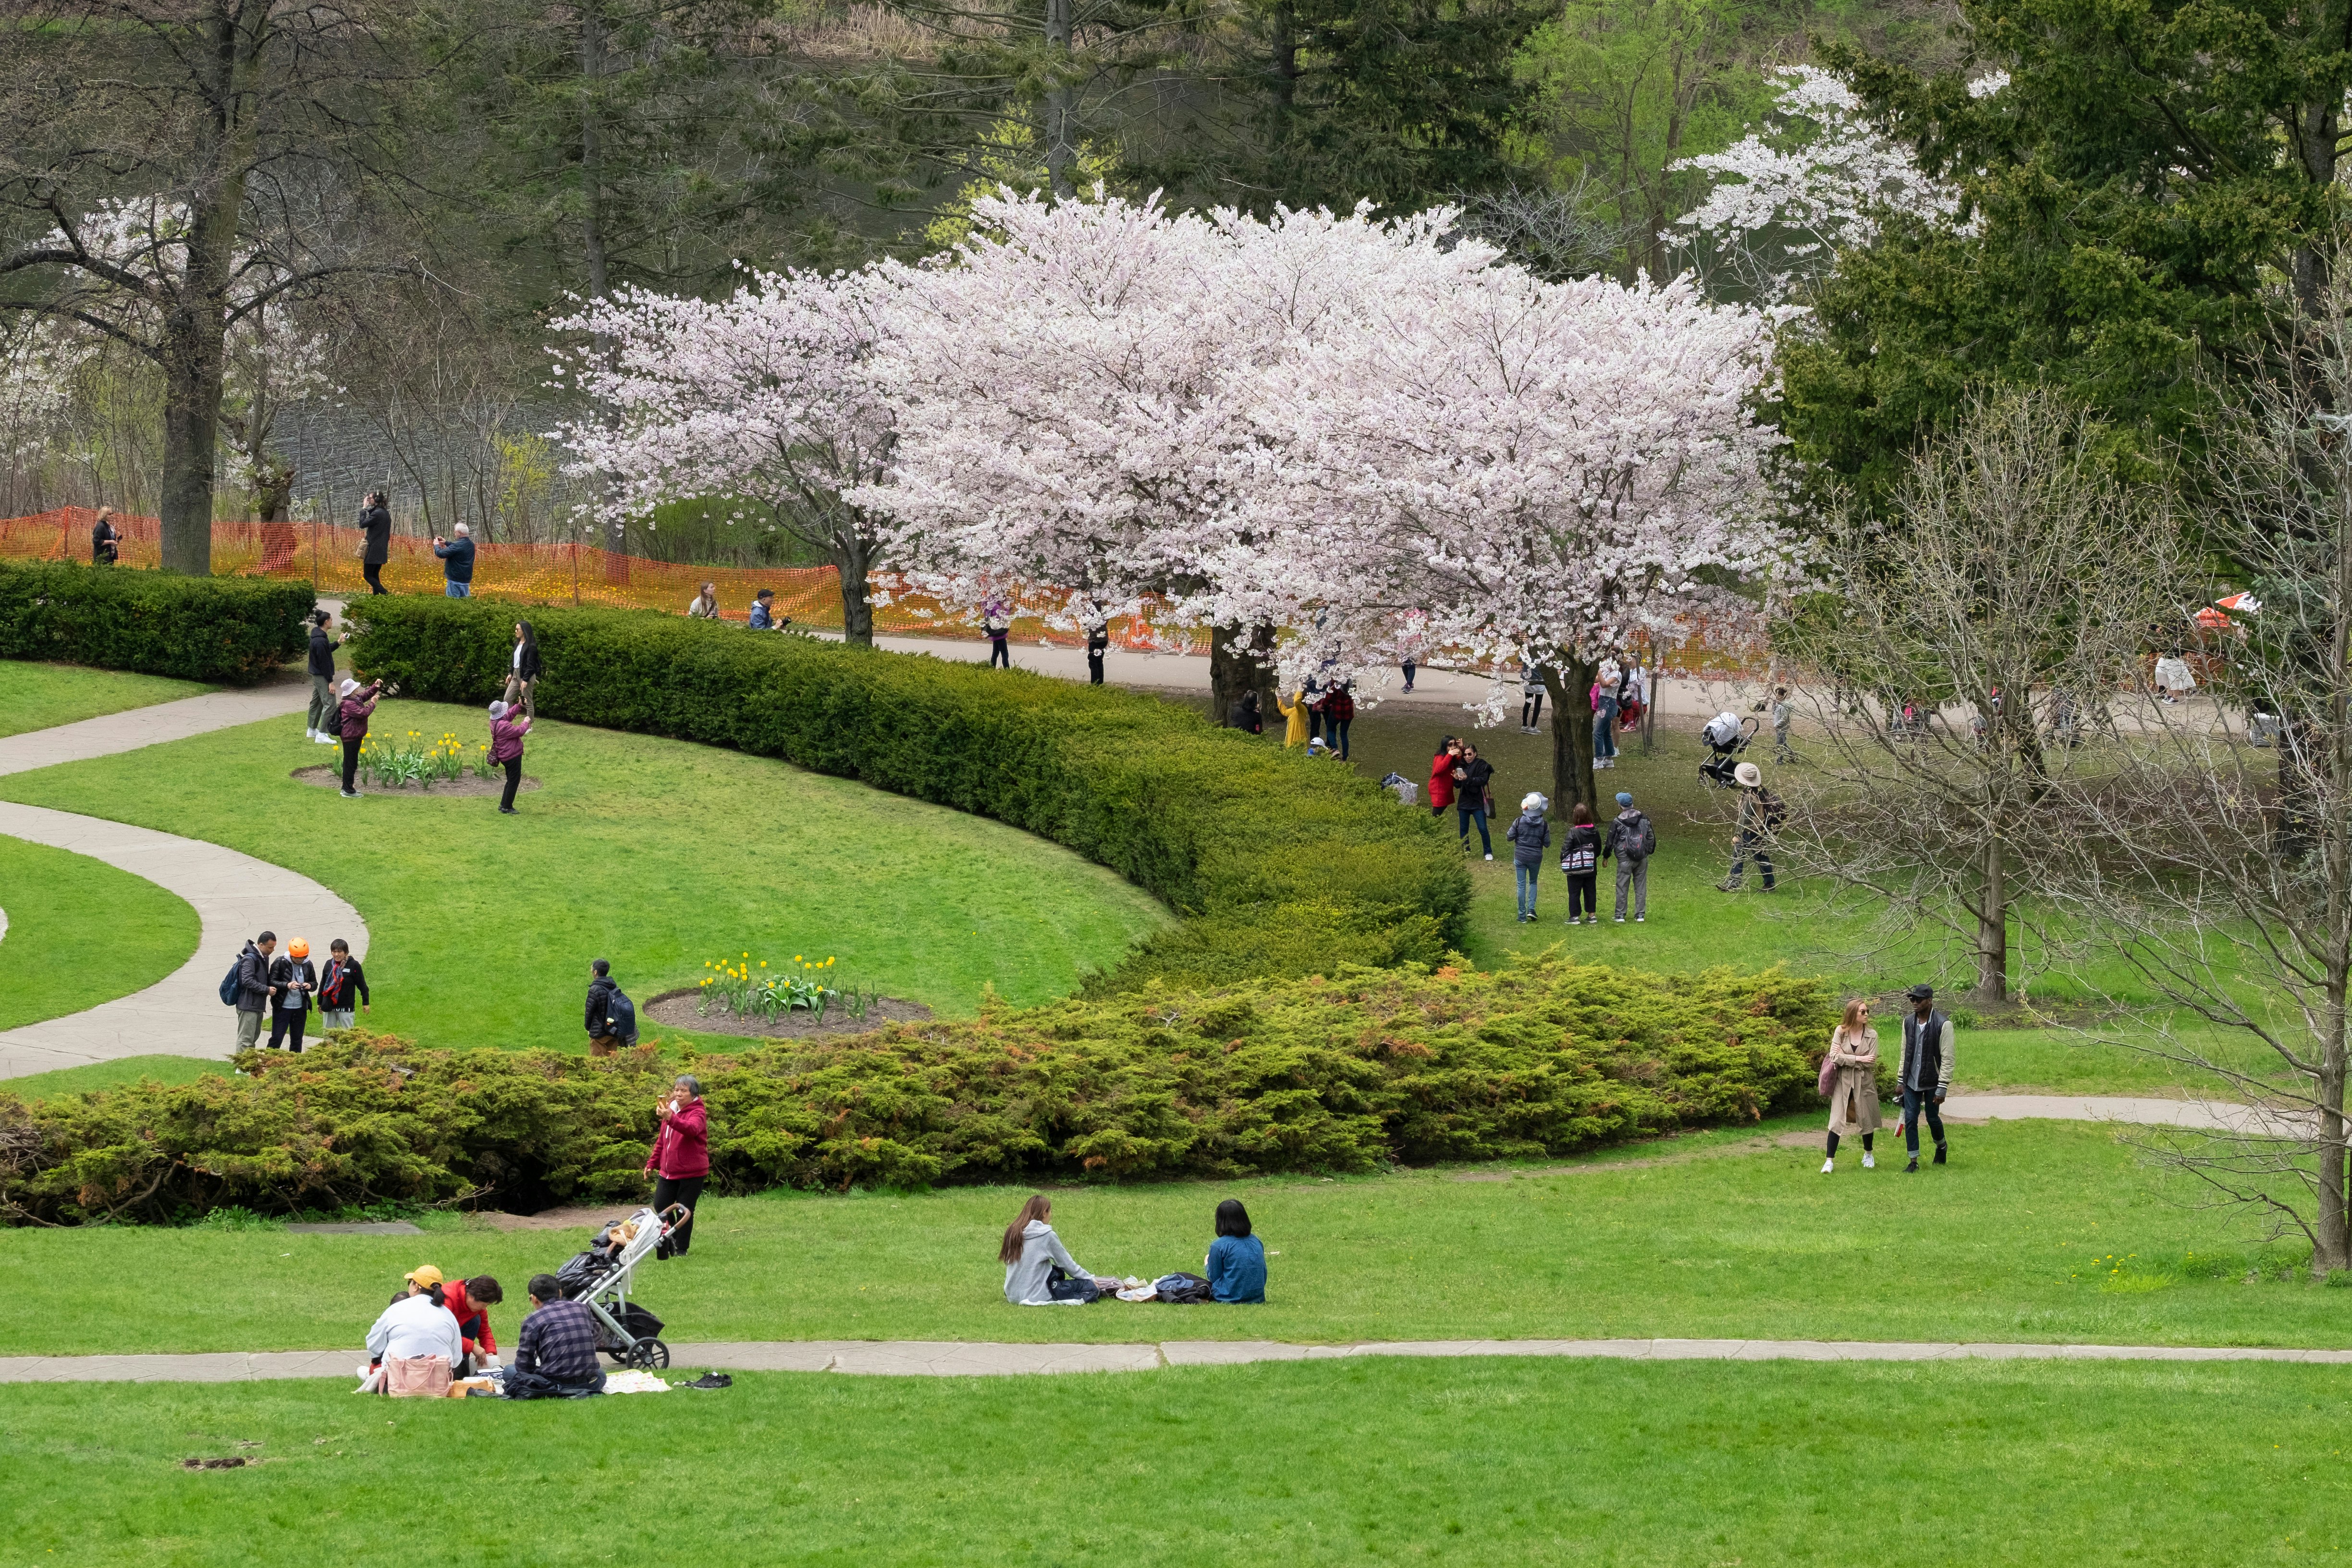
(1964, 640)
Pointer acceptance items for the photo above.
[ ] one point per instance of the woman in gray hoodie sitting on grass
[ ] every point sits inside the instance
(1038, 1269)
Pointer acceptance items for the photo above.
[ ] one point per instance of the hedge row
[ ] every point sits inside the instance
(226, 630)
(1367, 1068)
(1282, 866)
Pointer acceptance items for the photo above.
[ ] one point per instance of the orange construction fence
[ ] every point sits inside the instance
(328, 557)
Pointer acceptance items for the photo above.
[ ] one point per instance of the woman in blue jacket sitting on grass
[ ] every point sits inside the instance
(1236, 1265)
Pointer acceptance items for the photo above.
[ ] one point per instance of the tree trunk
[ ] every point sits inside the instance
(1992, 925)
(1235, 667)
(1286, 68)
(192, 400)
(1060, 140)
(1570, 684)
(852, 554)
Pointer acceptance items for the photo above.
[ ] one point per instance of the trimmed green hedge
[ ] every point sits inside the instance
(1280, 865)
(1365, 1068)
(228, 630)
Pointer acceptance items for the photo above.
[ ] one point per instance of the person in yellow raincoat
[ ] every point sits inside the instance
(1295, 711)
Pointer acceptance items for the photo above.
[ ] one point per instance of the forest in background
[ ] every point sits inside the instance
(424, 191)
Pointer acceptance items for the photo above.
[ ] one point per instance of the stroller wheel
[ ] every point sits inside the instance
(649, 1355)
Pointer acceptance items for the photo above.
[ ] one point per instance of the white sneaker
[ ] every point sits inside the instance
(1869, 1161)
(309, 735)
(325, 739)
(1490, 857)
(1827, 1167)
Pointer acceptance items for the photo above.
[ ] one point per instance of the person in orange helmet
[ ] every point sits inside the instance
(292, 980)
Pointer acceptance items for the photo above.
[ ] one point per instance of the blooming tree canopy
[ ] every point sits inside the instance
(765, 399)
(1786, 201)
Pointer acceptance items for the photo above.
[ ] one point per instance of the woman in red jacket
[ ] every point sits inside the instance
(1441, 775)
(681, 1156)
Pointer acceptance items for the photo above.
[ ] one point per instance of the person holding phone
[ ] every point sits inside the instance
(375, 540)
(357, 702)
(680, 1160)
(457, 563)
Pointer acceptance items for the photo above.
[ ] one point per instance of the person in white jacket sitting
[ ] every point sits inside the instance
(413, 1332)
(1030, 1254)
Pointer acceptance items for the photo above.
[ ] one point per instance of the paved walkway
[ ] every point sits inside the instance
(919, 1358)
(234, 895)
(2201, 1115)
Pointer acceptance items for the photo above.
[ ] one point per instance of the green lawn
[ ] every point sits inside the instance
(655, 854)
(82, 932)
(37, 696)
(109, 1075)
(1474, 1462)
(2016, 1241)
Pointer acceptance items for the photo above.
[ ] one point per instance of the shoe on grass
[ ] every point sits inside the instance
(1828, 1165)
(1592, 919)
(350, 794)
(1869, 1161)
(1640, 920)
(1727, 887)
(1913, 1168)
(509, 811)
(1621, 919)
(1490, 854)
(1939, 1153)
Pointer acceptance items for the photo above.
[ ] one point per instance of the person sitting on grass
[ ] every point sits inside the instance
(1038, 1269)
(555, 1354)
(1236, 1265)
(470, 1301)
(417, 1344)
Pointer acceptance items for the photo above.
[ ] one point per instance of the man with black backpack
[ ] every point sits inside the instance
(1632, 840)
(248, 988)
(611, 1017)
(1761, 815)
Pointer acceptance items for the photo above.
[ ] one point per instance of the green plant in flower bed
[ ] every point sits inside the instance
(226, 629)
(1280, 867)
(1346, 1073)
(733, 985)
(410, 759)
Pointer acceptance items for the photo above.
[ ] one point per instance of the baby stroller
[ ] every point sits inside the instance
(603, 1277)
(1727, 735)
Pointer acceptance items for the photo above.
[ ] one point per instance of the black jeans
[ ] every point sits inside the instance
(286, 1025)
(1409, 668)
(1531, 710)
(1914, 1101)
(687, 1190)
(1743, 847)
(368, 570)
(514, 781)
(1583, 893)
(999, 654)
(350, 763)
(1095, 665)
(521, 1384)
(1339, 736)
(1866, 1140)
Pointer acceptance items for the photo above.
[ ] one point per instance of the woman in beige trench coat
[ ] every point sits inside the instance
(1853, 1086)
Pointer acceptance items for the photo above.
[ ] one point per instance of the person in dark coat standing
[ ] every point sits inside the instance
(1579, 857)
(105, 539)
(321, 721)
(680, 1160)
(294, 980)
(252, 990)
(1245, 715)
(457, 563)
(597, 1018)
(375, 542)
(1927, 1075)
(342, 987)
(1338, 713)
(351, 722)
(505, 750)
(1097, 644)
(1472, 776)
(1531, 835)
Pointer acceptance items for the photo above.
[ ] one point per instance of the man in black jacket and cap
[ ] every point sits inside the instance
(1926, 1073)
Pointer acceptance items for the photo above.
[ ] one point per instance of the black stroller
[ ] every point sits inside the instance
(1727, 735)
(604, 1277)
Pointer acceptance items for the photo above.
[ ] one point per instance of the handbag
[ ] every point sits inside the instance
(1828, 1072)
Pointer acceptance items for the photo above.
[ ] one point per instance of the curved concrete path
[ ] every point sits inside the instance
(915, 1358)
(2198, 1115)
(234, 895)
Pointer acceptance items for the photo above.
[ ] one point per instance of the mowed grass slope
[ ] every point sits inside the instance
(41, 695)
(1472, 1462)
(82, 932)
(658, 855)
(2039, 1231)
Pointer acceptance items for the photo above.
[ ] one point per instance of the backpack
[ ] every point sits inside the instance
(228, 982)
(620, 1015)
(1775, 809)
(1185, 1290)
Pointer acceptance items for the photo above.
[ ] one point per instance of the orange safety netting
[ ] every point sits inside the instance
(329, 556)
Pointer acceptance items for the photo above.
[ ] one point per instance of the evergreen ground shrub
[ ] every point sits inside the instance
(1367, 1068)
(1280, 865)
(230, 631)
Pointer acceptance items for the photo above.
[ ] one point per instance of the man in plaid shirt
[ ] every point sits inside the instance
(555, 1355)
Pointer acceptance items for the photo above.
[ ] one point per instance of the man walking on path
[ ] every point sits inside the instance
(1632, 841)
(1927, 1073)
(253, 988)
(457, 563)
(322, 681)
(1759, 813)
(375, 546)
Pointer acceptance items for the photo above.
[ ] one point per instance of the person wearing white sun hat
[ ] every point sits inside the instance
(1531, 835)
(1759, 813)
